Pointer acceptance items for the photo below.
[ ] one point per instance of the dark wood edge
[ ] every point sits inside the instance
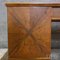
(31, 4)
(55, 19)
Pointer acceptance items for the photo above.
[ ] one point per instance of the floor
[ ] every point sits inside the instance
(3, 53)
(55, 55)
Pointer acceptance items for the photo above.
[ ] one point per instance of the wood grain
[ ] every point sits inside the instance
(55, 7)
(29, 32)
(27, 59)
(30, 4)
(56, 13)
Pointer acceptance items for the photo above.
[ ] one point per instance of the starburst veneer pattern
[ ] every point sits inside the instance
(29, 32)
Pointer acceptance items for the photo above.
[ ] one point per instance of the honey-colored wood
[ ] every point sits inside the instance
(29, 32)
(18, 4)
(28, 59)
(56, 13)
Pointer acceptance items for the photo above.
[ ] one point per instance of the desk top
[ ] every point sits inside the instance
(17, 4)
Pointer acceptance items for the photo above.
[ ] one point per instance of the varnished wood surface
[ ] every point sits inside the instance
(27, 59)
(18, 4)
(29, 32)
(56, 13)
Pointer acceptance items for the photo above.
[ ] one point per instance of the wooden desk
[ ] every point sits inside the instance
(29, 30)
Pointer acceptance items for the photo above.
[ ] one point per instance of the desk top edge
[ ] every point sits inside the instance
(17, 4)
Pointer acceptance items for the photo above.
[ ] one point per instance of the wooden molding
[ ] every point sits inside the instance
(17, 4)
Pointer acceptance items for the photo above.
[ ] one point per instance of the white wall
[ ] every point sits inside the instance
(3, 25)
(44, 1)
